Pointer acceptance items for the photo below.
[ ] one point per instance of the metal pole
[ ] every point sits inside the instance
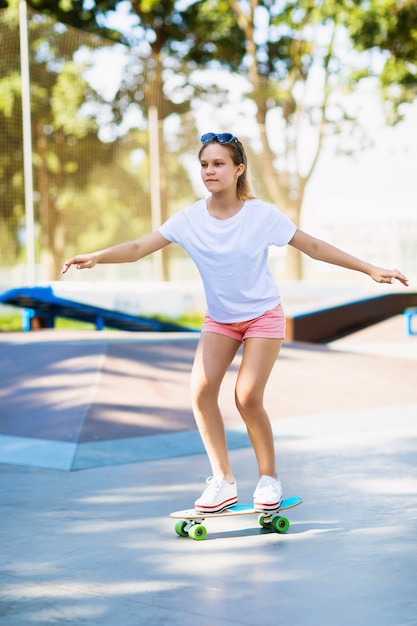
(155, 185)
(27, 145)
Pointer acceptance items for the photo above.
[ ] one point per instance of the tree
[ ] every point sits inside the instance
(295, 42)
(225, 32)
(162, 28)
(290, 45)
(389, 27)
(283, 49)
(70, 162)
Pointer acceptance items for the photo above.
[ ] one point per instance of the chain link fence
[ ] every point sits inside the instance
(90, 151)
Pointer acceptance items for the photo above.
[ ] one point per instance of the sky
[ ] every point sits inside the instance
(379, 183)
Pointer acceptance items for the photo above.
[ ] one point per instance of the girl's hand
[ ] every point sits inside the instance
(81, 262)
(381, 275)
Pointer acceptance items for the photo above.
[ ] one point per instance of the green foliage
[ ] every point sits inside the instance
(10, 89)
(80, 14)
(13, 323)
(68, 96)
(390, 26)
(10, 323)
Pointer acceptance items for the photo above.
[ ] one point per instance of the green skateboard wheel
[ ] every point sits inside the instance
(197, 532)
(180, 528)
(264, 521)
(280, 524)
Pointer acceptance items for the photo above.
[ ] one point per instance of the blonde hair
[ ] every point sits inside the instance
(242, 186)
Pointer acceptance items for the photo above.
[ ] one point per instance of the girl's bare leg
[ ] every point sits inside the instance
(214, 354)
(259, 356)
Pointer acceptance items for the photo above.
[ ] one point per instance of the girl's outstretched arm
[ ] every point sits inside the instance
(122, 253)
(323, 251)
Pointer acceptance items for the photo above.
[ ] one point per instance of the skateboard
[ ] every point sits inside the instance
(190, 522)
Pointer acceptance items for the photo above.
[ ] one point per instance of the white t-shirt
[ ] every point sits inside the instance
(232, 255)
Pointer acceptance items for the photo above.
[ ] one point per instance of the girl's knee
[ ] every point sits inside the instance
(248, 402)
(202, 391)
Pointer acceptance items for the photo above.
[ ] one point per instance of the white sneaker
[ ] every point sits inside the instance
(267, 495)
(217, 496)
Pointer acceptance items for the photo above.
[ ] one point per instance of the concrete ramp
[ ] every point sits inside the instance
(328, 324)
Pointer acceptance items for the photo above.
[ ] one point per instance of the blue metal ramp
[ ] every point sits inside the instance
(41, 307)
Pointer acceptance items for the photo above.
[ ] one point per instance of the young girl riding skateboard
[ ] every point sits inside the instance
(228, 235)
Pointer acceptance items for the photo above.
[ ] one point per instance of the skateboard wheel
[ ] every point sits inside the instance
(280, 524)
(264, 521)
(180, 528)
(197, 532)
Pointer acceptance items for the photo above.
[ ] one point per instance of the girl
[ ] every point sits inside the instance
(228, 235)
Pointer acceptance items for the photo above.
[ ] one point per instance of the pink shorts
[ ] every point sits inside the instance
(270, 325)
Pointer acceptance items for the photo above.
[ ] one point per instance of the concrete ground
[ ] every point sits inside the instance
(98, 446)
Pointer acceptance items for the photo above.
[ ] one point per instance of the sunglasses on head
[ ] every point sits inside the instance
(222, 138)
